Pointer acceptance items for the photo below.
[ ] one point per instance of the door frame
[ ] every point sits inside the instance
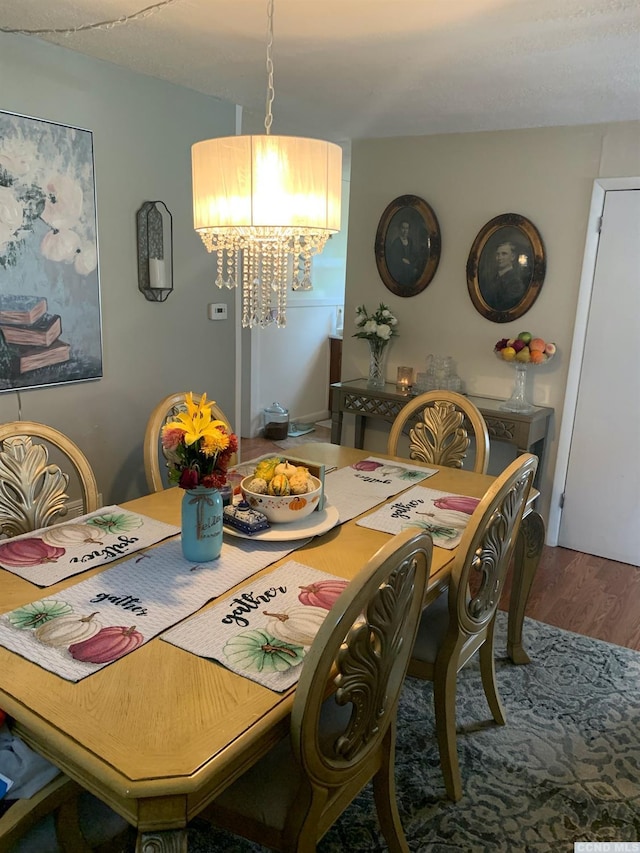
(601, 186)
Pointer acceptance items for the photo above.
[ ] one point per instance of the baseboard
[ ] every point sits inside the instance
(312, 418)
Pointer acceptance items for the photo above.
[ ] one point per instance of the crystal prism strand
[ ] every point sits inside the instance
(268, 277)
(220, 267)
(255, 283)
(306, 278)
(247, 290)
(297, 252)
(280, 272)
(231, 258)
(274, 283)
(265, 285)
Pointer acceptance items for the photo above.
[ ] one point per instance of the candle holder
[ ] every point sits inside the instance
(155, 251)
(404, 380)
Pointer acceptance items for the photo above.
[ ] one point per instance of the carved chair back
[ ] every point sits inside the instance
(363, 649)
(33, 490)
(439, 436)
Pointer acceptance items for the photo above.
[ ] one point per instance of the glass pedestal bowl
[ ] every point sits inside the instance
(518, 402)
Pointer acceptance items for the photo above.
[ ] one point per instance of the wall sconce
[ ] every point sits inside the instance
(155, 251)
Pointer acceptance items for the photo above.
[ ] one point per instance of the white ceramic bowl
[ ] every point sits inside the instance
(282, 509)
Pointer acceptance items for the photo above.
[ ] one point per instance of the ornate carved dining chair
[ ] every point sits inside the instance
(165, 411)
(435, 423)
(33, 494)
(290, 798)
(462, 620)
(33, 489)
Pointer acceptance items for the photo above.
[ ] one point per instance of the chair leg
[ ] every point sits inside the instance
(26, 813)
(68, 834)
(488, 673)
(444, 697)
(384, 792)
(529, 545)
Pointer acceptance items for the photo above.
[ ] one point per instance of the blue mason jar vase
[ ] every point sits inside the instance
(201, 524)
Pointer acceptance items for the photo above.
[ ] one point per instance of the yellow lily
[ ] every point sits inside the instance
(196, 421)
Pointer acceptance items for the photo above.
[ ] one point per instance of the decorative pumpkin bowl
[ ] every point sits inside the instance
(283, 509)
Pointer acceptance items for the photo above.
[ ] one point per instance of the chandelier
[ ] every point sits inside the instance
(266, 204)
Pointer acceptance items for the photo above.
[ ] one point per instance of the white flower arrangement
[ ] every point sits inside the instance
(378, 327)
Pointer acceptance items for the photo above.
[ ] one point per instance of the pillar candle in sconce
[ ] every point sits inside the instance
(154, 225)
(157, 274)
(404, 379)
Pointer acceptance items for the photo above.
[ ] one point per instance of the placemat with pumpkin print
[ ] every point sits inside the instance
(265, 630)
(95, 622)
(442, 514)
(54, 553)
(361, 486)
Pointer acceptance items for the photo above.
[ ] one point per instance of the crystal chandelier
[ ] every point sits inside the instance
(266, 204)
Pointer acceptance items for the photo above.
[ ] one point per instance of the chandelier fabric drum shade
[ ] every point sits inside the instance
(269, 197)
(266, 181)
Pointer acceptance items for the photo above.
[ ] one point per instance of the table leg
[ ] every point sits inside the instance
(336, 426)
(166, 841)
(526, 559)
(359, 435)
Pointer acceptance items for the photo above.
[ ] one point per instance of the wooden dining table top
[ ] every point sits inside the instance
(160, 732)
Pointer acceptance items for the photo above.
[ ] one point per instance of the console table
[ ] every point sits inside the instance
(527, 432)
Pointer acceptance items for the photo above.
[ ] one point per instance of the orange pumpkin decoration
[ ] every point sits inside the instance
(297, 503)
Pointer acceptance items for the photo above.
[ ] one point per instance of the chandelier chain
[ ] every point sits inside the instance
(99, 25)
(271, 92)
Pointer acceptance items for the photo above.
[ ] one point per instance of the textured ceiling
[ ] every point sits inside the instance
(365, 68)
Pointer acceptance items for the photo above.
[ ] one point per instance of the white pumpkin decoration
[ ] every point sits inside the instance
(285, 468)
(63, 631)
(67, 535)
(299, 624)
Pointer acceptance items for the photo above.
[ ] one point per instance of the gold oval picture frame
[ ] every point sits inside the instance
(506, 268)
(407, 246)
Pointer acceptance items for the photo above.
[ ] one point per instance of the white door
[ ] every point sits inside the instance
(601, 508)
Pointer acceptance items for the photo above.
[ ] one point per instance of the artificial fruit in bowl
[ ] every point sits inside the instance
(526, 348)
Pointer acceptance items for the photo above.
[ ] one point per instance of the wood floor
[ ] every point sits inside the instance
(578, 592)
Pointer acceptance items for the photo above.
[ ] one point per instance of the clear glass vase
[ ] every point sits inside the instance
(201, 525)
(518, 402)
(377, 364)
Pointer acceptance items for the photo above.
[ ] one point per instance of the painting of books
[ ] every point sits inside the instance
(31, 335)
(50, 327)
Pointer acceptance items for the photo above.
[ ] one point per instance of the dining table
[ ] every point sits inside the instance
(161, 732)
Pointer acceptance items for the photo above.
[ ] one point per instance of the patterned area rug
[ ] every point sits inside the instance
(565, 768)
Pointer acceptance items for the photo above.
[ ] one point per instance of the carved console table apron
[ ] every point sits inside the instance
(527, 433)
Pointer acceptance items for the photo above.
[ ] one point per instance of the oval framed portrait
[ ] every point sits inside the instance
(506, 268)
(407, 245)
